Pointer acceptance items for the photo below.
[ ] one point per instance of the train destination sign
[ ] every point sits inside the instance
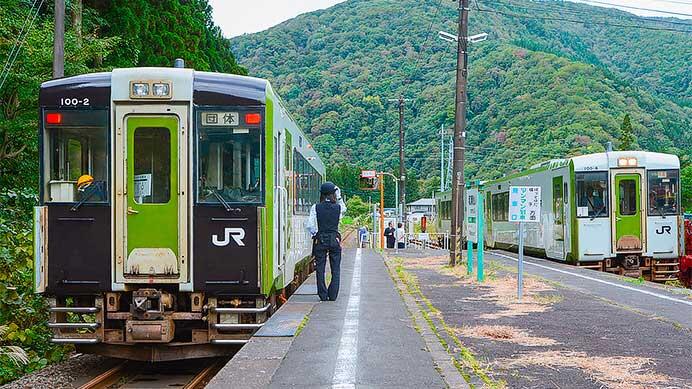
(525, 204)
(220, 118)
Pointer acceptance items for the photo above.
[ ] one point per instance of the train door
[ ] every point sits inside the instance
(627, 221)
(151, 224)
(558, 243)
(281, 198)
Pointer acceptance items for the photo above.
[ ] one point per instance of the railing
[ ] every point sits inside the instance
(432, 241)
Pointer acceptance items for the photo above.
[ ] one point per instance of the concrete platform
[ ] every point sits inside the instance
(364, 339)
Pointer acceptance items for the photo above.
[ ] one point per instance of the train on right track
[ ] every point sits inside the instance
(616, 211)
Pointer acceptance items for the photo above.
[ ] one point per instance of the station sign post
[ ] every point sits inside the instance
(474, 228)
(524, 207)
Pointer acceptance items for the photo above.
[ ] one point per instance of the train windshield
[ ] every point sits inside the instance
(229, 165)
(663, 192)
(592, 194)
(75, 156)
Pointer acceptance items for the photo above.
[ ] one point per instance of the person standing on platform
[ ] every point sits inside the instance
(389, 235)
(323, 225)
(400, 236)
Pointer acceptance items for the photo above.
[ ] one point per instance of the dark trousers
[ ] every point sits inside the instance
(328, 245)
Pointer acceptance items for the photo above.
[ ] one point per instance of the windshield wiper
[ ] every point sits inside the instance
(95, 187)
(222, 200)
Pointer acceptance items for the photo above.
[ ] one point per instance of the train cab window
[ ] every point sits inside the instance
(152, 165)
(229, 165)
(592, 194)
(75, 159)
(663, 192)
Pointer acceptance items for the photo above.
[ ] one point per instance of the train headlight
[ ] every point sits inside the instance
(161, 89)
(140, 89)
(627, 162)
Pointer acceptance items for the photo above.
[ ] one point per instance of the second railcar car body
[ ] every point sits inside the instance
(191, 223)
(617, 211)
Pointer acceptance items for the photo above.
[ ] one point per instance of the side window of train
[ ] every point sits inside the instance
(308, 182)
(500, 207)
(76, 147)
(592, 194)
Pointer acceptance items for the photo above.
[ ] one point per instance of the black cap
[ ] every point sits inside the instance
(327, 188)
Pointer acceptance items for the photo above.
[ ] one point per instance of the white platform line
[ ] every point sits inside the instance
(661, 296)
(347, 357)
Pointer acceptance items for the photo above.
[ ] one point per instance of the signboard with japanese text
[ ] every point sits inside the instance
(220, 118)
(472, 215)
(525, 204)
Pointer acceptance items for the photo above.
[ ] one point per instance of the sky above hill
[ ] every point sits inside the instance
(237, 17)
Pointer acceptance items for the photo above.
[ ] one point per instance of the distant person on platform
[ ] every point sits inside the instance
(323, 226)
(400, 236)
(389, 235)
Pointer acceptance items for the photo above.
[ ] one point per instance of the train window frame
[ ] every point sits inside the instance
(499, 204)
(95, 119)
(605, 212)
(307, 183)
(198, 127)
(650, 210)
(628, 186)
(154, 179)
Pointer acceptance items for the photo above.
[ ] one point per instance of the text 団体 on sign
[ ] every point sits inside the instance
(525, 204)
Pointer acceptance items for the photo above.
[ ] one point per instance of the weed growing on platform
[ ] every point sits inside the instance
(428, 311)
(635, 281)
(302, 324)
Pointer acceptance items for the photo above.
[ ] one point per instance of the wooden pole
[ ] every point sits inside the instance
(381, 233)
(59, 40)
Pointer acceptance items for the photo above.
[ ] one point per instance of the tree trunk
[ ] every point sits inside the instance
(77, 20)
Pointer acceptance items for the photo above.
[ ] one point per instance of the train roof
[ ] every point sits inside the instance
(208, 88)
(605, 161)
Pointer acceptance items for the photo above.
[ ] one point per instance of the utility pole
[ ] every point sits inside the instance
(442, 158)
(59, 40)
(401, 206)
(459, 135)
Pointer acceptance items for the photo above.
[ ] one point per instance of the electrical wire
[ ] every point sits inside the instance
(21, 38)
(636, 8)
(564, 9)
(424, 47)
(511, 14)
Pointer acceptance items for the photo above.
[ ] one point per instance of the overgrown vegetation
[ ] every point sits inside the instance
(539, 88)
(100, 35)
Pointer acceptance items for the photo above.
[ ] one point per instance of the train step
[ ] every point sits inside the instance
(76, 324)
(665, 271)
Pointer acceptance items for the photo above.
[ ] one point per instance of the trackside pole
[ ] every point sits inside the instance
(469, 256)
(520, 264)
(481, 216)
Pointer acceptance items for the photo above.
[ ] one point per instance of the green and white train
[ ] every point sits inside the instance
(616, 211)
(172, 210)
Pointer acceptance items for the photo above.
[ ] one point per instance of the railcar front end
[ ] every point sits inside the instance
(166, 202)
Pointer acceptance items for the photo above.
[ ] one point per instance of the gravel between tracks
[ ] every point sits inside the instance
(63, 374)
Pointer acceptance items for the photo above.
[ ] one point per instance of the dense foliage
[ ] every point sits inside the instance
(539, 88)
(102, 36)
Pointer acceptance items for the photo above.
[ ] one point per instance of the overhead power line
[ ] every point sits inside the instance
(636, 8)
(565, 10)
(21, 38)
(584, 22)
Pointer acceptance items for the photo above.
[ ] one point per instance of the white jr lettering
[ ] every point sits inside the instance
(236, 233)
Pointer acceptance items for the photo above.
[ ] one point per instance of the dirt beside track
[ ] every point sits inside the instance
(556, 337)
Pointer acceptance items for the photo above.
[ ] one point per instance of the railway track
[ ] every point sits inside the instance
(188, 374)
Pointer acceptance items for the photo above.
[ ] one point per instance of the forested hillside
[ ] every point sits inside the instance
(540, 86)
(100, 35)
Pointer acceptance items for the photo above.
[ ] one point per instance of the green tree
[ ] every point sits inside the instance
(686, 185)
(356, 207)
(626, 134)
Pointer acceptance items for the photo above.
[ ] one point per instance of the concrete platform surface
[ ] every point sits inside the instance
(364, 339)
